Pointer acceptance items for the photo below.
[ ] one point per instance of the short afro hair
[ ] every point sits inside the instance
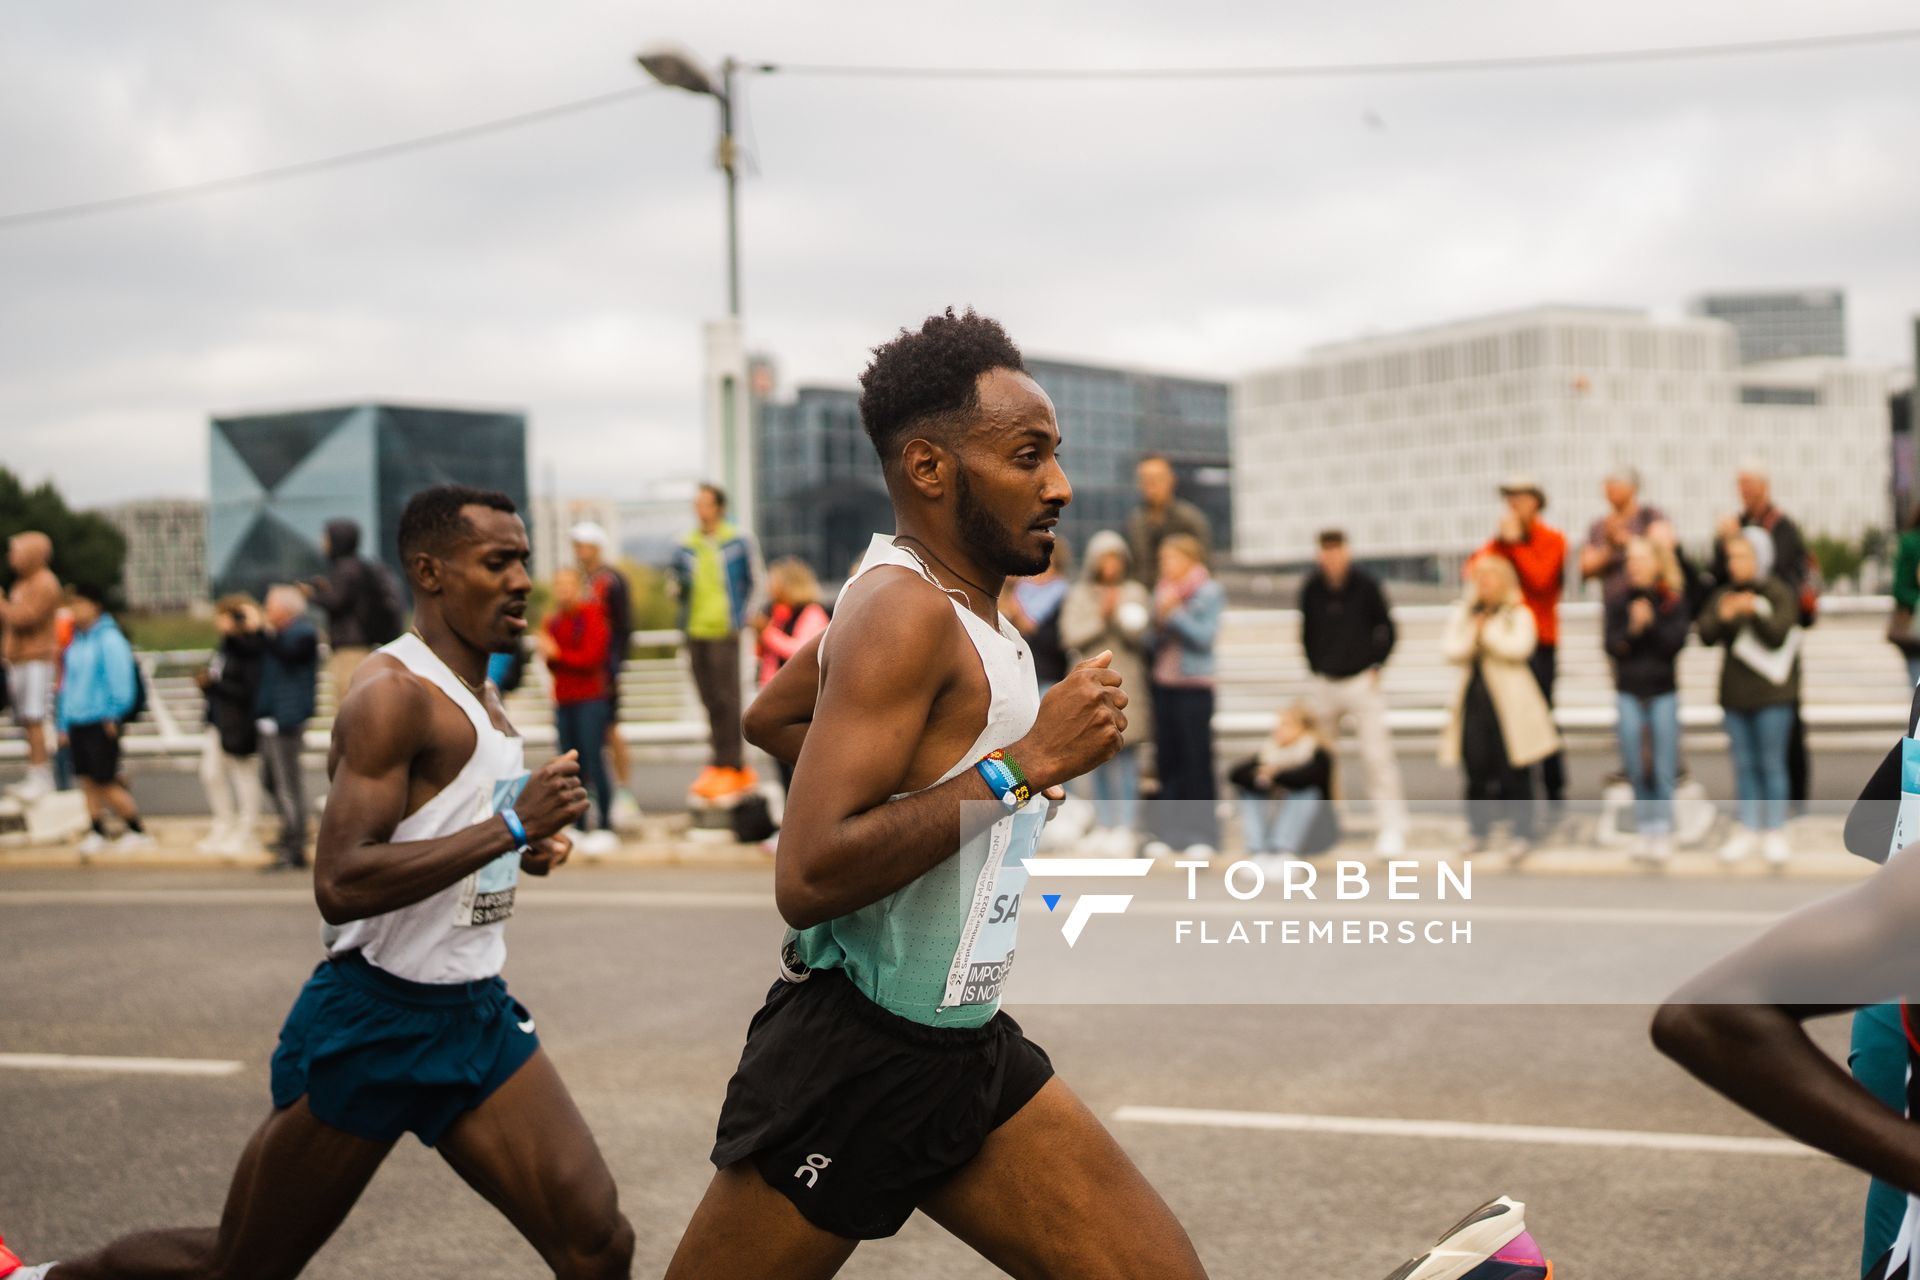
(434, 520)
(931, 378)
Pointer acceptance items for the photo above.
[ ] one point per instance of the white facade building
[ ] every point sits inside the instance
(1402, 440)
(166, 565)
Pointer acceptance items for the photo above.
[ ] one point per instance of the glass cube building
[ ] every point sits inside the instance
(276, 479)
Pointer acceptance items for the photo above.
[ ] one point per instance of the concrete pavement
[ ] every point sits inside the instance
(643, 979)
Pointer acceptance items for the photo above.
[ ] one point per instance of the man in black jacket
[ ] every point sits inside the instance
(1348, 634)
(361, 602)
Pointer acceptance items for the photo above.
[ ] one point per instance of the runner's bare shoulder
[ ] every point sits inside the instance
(385, 716)
(892, 617)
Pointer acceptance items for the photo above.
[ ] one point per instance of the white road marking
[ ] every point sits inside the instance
(1464, 1131)
(127, 1066)
(736, 900)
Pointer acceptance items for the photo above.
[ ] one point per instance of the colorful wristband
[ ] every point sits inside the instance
(515, 828)
(1012, 790)
(1012, 765)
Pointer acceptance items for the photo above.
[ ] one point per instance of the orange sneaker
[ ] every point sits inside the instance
(713, 781)
(743, 780)
(11, 1266)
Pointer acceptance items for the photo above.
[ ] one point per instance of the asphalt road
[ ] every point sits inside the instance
(643, 982)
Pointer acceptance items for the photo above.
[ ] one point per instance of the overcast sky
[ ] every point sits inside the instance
(566, 268)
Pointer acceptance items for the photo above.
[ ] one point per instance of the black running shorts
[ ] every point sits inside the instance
(856, 1114)
(95, 752)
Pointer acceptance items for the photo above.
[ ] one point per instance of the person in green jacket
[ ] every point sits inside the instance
(1906, 595)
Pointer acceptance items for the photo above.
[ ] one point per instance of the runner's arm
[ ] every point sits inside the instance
(381, 729)
(777, 718)
(845, 843)
(1738, 1026)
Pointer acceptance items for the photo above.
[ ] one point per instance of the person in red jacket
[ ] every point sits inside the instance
(1539, 555)
(575, 640)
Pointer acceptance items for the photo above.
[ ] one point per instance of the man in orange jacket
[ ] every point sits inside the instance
(1539, 555)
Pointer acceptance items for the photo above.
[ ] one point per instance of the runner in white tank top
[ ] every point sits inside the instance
(459, 933)
(406, 1026)
(867, 1090)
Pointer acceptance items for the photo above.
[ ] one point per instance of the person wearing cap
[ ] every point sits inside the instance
(608, 585)
(1605, 555)
(1538, 553)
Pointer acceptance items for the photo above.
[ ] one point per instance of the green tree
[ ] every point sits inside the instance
(86, 548)
(1838, 558)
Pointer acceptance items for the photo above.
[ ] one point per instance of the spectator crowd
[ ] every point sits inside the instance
(1146, 593)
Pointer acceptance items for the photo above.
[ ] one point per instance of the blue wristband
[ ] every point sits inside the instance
(515, 828)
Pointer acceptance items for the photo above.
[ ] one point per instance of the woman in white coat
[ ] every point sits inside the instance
(1500, 722)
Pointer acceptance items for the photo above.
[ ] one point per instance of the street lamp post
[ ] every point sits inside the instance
(675, 67)
(730, 452)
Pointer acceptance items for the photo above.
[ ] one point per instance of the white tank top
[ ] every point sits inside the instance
(458, 934)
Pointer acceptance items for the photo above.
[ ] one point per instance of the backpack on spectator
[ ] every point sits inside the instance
(1811, 581)
(139, 707)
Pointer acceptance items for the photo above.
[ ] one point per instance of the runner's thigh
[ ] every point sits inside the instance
(528, 1150)
(1051, 1195)
(745, 1230)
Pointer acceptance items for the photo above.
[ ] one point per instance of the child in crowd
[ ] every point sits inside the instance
(1286, 791)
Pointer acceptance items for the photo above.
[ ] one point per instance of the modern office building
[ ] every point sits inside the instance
(1782, 325)
(166, 565)
(276, 479)
(1402, 440)
(1110, 417)
(821, 493)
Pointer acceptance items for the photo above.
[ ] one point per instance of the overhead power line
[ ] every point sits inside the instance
(1276, 71)
(302, 168)
(1353, 70)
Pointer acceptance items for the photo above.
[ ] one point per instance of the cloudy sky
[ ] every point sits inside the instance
(565, 268)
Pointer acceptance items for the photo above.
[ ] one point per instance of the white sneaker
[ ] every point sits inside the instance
(1739, 844)
(597, 844)
(37, 783)
(1653, 847)
(1198, 851)
(1270, 864)
(132, 842)
(626, 811)
(1775, 849)
(1391, 844)
(91, 843)
(1157, 849)
(1121, 843)
(217, 840)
